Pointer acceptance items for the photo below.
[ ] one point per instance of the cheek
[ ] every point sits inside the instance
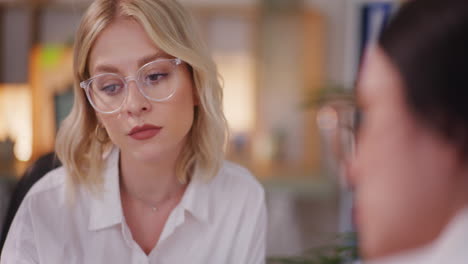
(184, 110)
(185, 98)
(399, 185)
(178, 112)
(112, 125)
(383, 164)
(387, 140)
(397, 153)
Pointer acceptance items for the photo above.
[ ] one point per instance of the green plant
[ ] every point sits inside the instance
(326, 94)
(344, 250)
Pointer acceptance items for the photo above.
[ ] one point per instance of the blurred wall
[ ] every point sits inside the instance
(335, 15)
(334, 12)
(16, 42)
(58, 25)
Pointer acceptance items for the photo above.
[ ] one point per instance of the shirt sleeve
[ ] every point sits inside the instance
(20, 245)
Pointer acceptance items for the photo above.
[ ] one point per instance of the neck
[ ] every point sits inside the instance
(152, 181)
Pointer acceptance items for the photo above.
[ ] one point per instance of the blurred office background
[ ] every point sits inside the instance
(275, 57)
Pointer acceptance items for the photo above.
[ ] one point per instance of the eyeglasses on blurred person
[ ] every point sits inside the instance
(144, 179)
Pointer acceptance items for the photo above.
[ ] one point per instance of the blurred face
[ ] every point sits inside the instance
(142, 128)
(404, 174)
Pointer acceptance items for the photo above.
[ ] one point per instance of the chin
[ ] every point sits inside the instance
(370, 237)
(372, 249)
(382, 243)
(144, 153)
(148, 153)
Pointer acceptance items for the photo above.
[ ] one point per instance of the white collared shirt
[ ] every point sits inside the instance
(451, 247)
(220, 221)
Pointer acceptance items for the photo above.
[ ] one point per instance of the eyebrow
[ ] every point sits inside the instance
(146, 59)
(105, 68)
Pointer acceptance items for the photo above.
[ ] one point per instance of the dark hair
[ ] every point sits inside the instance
(427, 41)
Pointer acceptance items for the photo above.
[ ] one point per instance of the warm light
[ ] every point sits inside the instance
(239, 92)
(16, 120)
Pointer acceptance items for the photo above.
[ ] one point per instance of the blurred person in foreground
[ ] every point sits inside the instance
(410, 171)
(144, 179)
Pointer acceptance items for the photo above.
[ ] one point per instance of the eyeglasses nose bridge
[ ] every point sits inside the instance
(130, 78)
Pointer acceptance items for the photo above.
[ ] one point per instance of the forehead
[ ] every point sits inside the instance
(379, 79)
(121, 44)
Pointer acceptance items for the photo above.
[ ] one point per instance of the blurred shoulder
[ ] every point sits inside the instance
(235, 179)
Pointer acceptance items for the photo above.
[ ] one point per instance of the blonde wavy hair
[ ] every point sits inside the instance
(172, 29)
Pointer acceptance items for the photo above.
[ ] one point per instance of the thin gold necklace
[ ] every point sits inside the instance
(157, 205)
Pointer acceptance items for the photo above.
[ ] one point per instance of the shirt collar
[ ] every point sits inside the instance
(106, 207)
(196, 199)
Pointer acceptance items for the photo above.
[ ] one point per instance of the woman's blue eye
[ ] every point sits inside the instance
(111, 89)
(155, 77)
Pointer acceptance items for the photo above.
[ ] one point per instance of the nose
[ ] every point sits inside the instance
(136, 103)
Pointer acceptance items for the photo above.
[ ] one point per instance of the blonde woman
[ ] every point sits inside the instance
(144, 180)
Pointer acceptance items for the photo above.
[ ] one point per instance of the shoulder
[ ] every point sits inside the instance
(48, 195)
(40, 215)
(51, 203)
(40, 200)
(238, 196)
(236, 180)
(52, 182)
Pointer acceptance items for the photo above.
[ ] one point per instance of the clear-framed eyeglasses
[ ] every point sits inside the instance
(338, 122)
(155, 80)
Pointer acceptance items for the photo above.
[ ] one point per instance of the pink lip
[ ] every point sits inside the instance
(143, 132)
